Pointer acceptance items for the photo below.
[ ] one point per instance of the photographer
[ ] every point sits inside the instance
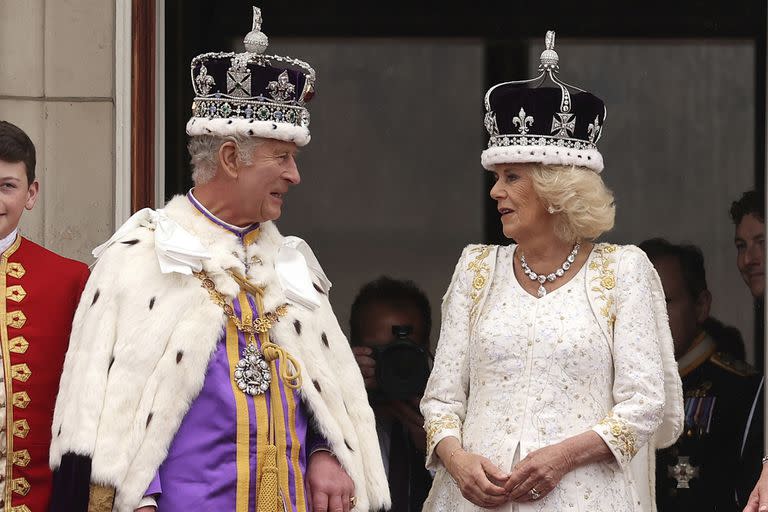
(390, 324)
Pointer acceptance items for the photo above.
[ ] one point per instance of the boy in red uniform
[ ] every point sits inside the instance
(39, 291)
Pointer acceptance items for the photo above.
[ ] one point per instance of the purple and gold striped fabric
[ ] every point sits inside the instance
(215, 459)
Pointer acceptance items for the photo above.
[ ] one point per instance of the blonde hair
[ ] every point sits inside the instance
(578, 195)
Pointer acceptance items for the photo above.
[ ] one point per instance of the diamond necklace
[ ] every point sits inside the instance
(541, 278)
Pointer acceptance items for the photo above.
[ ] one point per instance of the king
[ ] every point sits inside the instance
(207, 370)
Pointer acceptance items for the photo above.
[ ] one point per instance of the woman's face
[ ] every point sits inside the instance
(523, 214)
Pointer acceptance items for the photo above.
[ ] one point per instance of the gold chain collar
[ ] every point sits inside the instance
(289, 369)
(259, 325)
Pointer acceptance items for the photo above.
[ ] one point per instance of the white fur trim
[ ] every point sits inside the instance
(548, 155)
(248, 128)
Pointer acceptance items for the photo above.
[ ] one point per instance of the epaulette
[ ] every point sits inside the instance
(727, 362)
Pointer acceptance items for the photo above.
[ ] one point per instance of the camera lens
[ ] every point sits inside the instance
(402, 370)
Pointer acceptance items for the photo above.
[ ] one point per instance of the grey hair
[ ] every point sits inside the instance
(204, 153)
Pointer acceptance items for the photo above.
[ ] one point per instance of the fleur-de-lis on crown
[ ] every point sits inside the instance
(204, 81)
(522, 121)
(564, 126)
(594, 130)
(281, 89)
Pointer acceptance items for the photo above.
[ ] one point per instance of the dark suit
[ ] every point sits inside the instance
(703, 470)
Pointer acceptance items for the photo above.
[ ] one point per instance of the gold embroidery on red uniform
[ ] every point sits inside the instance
(18, 345)
(16, 293)
(21, 399)
(16, 319)
(21, 428)
(21, 372)
(20, 486)
(21, 458)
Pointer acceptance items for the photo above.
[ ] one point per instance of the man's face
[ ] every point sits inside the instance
(686, 313)
(750, 253)
(378, 319)
(15, 195)
(263, 184)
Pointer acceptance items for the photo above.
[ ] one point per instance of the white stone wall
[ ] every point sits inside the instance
(57, 84)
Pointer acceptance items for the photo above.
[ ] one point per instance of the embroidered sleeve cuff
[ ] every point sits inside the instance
(438, 429)
(620, 438)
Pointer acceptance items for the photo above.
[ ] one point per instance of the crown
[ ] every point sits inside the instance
(557, 125)
(251, 93)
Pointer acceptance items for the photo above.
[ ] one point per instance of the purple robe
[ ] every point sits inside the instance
(215, 458)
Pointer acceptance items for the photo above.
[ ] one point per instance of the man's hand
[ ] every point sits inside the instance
(330, 487)
(758, 499)
(367, 365)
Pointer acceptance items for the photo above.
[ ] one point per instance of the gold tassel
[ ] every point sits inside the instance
(268, 498)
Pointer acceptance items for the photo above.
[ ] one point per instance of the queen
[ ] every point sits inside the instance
(555, 378)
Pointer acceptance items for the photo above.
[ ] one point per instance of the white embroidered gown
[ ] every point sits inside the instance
(531, 372)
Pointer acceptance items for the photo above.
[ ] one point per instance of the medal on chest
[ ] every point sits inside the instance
(253, 373)
(683, 472)
(699, 409)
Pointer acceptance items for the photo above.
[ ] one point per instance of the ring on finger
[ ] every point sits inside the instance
(352, 501)
(534, 493)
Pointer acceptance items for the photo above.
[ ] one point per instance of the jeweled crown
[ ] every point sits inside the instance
(251, 93)
(557, 125)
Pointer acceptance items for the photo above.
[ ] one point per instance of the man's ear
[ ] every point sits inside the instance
(228, 159)
(32, 195)
(703, 305)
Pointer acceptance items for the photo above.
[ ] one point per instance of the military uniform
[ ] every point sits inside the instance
(40, 291)
(702, 470)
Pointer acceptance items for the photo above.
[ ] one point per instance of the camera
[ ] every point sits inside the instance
(402, 367)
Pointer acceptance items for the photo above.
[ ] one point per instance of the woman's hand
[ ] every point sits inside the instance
(543, 469)
(537, 474)
(478, 478)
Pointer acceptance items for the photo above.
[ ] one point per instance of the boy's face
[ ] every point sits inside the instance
(15, 195)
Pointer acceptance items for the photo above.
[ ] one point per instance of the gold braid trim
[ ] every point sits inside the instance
(481, 272)
(622, 435)
(440, 423)
(101, 498)
(605, 280)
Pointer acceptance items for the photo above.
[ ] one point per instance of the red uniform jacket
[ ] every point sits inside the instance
(41, 290)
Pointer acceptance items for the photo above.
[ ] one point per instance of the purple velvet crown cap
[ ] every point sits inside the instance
(557, 125)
